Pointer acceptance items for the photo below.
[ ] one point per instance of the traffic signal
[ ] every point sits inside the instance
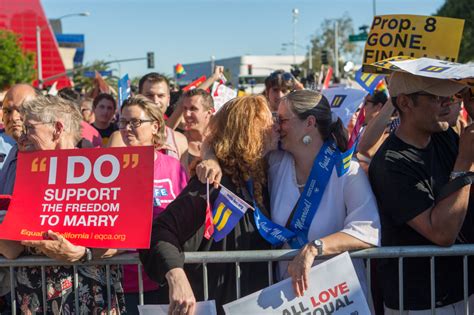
(249, 69)
(295, 71)
(150, 59)
(324, 57)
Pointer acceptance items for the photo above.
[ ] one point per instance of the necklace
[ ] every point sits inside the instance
(294, 177)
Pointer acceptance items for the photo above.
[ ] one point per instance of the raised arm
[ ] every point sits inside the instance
(373, 135)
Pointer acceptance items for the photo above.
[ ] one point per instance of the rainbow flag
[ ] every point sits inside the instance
(382, 87)
(179, 70)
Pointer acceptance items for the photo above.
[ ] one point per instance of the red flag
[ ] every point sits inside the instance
(194, 84)
(358, 125)
(327, 80)
(209, 226)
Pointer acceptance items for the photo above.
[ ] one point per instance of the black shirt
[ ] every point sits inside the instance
(405, 181)
(106, 133)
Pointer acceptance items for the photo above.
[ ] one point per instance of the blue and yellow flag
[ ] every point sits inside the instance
(228, 210)
(368, 81)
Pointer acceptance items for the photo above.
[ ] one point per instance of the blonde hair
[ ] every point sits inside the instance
(237, 134)
(153, 112)
(49, 109)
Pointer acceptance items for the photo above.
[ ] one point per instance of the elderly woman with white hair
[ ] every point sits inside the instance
(52, 123)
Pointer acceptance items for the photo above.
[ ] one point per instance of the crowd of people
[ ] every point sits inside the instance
(407, 182)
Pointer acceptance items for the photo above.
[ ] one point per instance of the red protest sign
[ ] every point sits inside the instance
(93, 197)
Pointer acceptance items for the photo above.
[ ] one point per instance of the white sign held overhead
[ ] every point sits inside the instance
(222, 94)
(344, 101)
(438, 69)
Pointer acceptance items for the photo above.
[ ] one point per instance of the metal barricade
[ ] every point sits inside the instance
(237, 257)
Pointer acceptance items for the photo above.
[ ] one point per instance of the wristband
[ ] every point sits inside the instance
(87, 255)
(455, 185)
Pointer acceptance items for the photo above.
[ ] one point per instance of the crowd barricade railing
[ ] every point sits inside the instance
(269, 256)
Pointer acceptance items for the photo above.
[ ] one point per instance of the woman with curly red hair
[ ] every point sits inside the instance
(239, 134)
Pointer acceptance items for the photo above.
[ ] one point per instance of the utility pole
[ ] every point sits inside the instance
(295, 12)
(213, 64)
(310, 56)
(38, 57)
(336, 49)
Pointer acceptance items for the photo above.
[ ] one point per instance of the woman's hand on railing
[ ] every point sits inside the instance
(299, 268)
(57, 247)
(182, 300)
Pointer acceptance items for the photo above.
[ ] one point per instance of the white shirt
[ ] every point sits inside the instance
(348, 205)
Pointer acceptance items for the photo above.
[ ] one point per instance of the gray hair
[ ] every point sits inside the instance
(49, 109)
(305, 103)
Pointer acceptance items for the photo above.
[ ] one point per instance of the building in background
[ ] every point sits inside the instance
(247, 72)
(23, 17)
(71, 46)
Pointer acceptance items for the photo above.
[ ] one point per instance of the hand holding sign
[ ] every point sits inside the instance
(57, 247)
(88, 196)
(182, 300)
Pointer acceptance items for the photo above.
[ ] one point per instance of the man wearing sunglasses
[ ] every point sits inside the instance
(277, 85)
(421, 177)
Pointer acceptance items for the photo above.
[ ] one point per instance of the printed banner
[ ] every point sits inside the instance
(412, 36)
(100, 198)
(333, 289)
(202, 308)
(344, 101)
(221, 95)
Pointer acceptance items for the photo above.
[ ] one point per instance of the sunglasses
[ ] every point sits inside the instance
(286, 76)
(440, 99)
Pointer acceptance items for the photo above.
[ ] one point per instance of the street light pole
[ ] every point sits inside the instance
(213, 63)
(373, 6)
(336, 49)
(310, 56)
(38, 57)
(295, 20)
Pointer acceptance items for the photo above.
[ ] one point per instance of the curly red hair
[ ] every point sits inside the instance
(237, 134)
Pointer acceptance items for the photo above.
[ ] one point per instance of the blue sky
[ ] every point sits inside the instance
(188, 31)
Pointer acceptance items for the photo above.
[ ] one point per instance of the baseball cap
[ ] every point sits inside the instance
(407, 83)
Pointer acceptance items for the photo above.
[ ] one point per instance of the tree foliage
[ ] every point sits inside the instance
(323, 39)
(86, 84)
(462, 9)
(16, 65)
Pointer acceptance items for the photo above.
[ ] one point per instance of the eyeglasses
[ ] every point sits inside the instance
(27, 128)
(276, 119)
(280, 121)
(134, 123)
(437, 98)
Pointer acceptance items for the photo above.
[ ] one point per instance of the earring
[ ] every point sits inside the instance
(307, 139)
